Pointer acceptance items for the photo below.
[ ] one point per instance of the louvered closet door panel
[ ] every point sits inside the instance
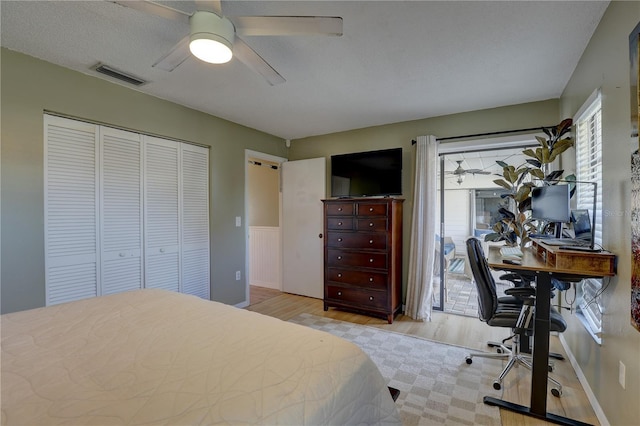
(195, 221)
(122, 218)
(162, 213)
(71, 210)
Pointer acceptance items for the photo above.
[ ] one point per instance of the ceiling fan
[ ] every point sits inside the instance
(214, 38)
(460, 172)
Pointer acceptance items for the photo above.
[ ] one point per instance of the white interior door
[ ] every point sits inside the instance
(162, 213)
(303, 188)
(121, 204)
(195, 221)
(71, 244)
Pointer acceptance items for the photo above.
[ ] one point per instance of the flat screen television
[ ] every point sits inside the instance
(365, 174)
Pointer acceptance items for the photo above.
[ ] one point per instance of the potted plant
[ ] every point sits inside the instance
(516, 225)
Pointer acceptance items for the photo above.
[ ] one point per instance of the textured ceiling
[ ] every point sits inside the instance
(397, 60)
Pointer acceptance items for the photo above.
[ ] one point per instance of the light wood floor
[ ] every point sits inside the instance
(453, 329)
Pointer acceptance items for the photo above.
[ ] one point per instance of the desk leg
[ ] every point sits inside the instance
(540, 352)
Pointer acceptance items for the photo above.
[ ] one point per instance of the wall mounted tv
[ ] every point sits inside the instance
(365, 174)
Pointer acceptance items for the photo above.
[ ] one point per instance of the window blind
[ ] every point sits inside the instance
(589, 169)
(589, 164)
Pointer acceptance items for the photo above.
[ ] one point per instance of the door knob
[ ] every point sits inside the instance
(320, 235)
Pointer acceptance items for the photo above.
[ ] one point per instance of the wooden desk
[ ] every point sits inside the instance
(545, 262)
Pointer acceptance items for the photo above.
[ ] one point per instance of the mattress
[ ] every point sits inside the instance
(159, 357)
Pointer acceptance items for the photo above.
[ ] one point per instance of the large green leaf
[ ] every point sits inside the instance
(522, 194)
(502, 163)
(534, 163)
(564, 126)
(494, 236)
(554, 175)
(508, 214)
(537, 173)
(524, 205)
(502, 183)
(542, 141)
(545, 155)
(528, 152)
(560, 147)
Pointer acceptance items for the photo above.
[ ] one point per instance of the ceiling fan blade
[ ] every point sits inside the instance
(287, 25)
(254, 61)
(157, 9)
(214, 6)
(176, 56)
(477, 172)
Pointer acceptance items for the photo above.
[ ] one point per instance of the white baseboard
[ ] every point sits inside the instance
(585, 384)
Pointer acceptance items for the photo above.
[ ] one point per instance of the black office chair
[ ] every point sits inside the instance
(505, 314)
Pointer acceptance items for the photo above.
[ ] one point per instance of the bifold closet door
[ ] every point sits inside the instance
(121, 205)
(162, 213)
(195, 221)
(71, 211)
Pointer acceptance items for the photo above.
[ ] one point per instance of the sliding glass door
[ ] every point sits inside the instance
(468, 206)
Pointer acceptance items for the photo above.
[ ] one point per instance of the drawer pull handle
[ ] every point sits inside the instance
(370, 241)
(339, 240)
(370, 279)
(339, 223)
(370, 224)
(339, 293)
(339, 275)
(370, 297)
(161, 250)
(339, 209)
(370, 209)
(339, 257)
(370, 260)
(123, 254)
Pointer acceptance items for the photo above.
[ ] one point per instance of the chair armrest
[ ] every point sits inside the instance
(523, 293)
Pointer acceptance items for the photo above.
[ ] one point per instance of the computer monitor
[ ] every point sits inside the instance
(551, 203)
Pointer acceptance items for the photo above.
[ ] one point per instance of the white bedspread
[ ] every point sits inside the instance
(158, 357)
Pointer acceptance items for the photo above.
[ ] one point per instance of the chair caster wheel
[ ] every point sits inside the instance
(499, 350)
(498, 386)
(469, 360)
(550, 368)
(556, 392)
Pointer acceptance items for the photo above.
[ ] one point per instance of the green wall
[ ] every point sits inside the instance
(535, 114)
(31, 86)
(605, 65)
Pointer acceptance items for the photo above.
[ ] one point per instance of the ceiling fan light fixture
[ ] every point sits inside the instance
(211, 37)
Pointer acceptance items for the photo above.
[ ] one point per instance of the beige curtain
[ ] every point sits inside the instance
(419, 301)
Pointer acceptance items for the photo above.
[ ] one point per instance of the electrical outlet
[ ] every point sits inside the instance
(622, 375)
(238, 221)
(237, 275)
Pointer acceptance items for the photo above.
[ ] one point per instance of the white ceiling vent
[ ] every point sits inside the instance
(118, 75)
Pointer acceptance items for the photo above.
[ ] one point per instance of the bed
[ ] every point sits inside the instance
(159, 357)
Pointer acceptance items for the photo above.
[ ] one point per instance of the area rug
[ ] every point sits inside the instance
(436, 385)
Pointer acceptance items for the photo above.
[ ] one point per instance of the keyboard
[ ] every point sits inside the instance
(511, 252)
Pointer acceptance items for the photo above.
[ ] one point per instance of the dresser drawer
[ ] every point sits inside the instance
(359, 298)
(336, 257)
(345, 223)
(357, 240)
(372, 224)
(364, 279)
(365, 209)
(340, 209)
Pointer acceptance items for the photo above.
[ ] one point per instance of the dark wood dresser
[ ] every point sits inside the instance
(363, 255)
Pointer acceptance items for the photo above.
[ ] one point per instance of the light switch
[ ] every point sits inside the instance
(238, 221)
